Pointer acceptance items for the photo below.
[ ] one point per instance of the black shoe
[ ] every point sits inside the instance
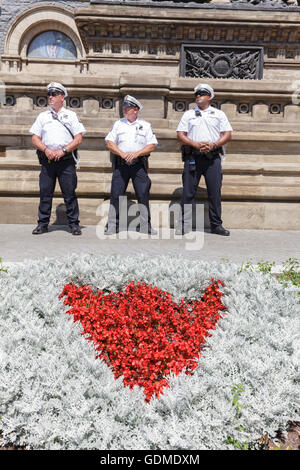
(148, 230)
(111, 231)
(75, 230)
(40, 229)
(151, 231)
(181, 231)
(220, 231)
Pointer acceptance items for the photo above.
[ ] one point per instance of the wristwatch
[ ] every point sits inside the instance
(215, 147)
(65, 150)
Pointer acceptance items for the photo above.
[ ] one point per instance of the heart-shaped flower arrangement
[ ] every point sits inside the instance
(141, 333)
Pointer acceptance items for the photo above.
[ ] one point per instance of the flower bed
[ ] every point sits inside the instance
(142, 333)
(54, 393)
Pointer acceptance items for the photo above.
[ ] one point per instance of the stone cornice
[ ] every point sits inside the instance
(138, 11)
(112, 85)
(269, 5)
(112, 24)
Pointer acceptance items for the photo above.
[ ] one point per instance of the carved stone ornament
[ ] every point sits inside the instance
(222, 62)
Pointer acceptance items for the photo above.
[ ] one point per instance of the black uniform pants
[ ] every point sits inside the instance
(212, 172)
(141, 183)
(65, 171)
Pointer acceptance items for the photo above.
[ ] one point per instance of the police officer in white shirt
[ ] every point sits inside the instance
(131, 140)
(57, 133)
(203, 131)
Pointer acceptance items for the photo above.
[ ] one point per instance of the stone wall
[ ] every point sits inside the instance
(132, 49)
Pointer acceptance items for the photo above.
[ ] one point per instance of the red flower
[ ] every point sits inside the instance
(142, 333)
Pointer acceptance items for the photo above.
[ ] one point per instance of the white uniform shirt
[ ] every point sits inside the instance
(131, 136)
(204, 128)
(52, 133)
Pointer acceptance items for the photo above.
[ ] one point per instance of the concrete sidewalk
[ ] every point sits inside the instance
(18, 244)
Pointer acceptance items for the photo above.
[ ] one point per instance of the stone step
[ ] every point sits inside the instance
(235, 214)
(237, 186)
(104, 120)
(100, 156)
(100, 160)
(247, 134)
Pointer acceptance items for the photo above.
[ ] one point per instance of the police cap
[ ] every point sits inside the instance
(204, 87)
(55, 86)
(131, 101)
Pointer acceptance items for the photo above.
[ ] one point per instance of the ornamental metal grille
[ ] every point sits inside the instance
(211, 61)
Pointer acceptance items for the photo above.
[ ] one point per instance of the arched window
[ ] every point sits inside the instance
(52, 45)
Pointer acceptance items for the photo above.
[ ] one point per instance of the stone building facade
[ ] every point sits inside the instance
(249, 51)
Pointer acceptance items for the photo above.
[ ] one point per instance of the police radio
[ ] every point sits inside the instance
(191, 159)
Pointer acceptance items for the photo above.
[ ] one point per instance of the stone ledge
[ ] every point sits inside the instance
(163, 133)
(288, 169)
(272, 129)
(90, 83)
(236, 214)
(243, 187)
(196, 10)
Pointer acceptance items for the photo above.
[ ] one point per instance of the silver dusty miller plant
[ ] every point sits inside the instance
(55, 395)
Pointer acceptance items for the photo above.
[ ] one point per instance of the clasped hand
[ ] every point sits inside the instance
(54, 154)
(204, 147)
(130, 156)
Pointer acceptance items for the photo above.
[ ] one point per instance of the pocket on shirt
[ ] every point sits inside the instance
(195, 122)
(141, 137)
(122, 137)
(47, 124)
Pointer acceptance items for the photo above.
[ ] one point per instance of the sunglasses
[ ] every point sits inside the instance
(203, 93)
(54, 93)
(129, 105)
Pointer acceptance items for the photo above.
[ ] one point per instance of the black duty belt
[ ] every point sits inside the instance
(117, 161)
(42, 156)
(189, 152)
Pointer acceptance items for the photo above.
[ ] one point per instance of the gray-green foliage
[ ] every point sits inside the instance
(2, 269)
(54, 394)
(290, 273)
